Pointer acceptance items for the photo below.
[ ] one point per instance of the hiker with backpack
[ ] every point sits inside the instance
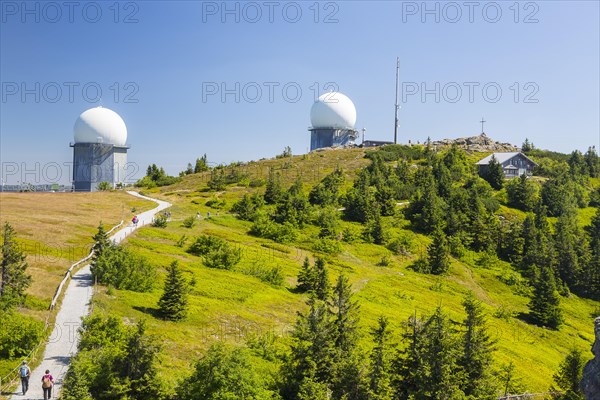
(47, 383)
(25, 373)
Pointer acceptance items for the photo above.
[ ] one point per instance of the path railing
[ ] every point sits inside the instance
(60, 287)
(10, 379)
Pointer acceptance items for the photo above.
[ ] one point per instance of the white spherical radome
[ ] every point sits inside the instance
(100, 125)
(333, 110)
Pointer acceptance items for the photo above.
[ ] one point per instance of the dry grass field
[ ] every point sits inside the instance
(56, 229)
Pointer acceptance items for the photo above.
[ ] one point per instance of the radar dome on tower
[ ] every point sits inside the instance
(100, 125)
(333, 110)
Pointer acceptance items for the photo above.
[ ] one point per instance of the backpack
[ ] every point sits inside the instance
(24, 371)
(46, 382)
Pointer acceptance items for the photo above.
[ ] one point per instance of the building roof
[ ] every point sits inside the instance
(503, 157)
(510, 166)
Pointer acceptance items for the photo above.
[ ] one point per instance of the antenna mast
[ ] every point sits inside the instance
(397, 106)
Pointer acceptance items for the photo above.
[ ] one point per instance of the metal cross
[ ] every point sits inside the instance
(482, 122)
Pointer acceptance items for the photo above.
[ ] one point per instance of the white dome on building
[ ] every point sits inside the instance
(100, 125)
(333, 110)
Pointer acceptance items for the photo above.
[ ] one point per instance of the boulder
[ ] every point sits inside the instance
(590, 383)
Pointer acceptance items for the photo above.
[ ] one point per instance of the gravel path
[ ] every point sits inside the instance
(62, 344)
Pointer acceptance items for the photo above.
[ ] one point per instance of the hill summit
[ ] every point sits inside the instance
(479, 143)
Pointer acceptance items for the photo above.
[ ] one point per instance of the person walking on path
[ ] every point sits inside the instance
(25, 373)
(47, 383)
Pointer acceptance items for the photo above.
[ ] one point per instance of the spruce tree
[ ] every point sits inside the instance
(347, 362)
(101, 242)
(441, 352)
(410, 367)
(477, 348)
(591, 272)
(494, 174)
(438, 254)
(571, 249)
(306, 277)
(569, 375)
(321, 288)
(545, 302)
(273, 190)
(201, 164)
(380, 374)
(138, 366)
(173, 303)
(311, 354)
(14, 279)
(345, 311)
(427, 368)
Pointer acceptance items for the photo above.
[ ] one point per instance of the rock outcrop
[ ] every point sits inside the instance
(480, 143)
(590, 383)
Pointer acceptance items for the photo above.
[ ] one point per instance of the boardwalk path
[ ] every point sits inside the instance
(62, 344)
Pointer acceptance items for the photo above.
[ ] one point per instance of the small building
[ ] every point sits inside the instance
(99, 151)
(513, 164)
(332, 116)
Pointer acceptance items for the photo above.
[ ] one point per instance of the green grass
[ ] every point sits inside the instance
(233, 306)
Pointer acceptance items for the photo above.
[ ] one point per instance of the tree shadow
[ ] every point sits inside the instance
(527, 318)
(154, 312)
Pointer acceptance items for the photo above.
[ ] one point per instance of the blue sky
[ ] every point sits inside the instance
(155, 62)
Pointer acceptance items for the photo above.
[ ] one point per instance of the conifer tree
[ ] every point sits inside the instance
(441, 353)
(173, 303)
(477, 348)
(311, 355)
(380, 374)
(494, 174)
(321, 288)
(438, 254)
(348, 375)
(201, 164)
(273, 190)
(545, 302)
(569, 376)
(427, 368)
(326, 192)
(345, 311)
(522, 193)
(138, 367)
(410, 368)
(306, 277)
(591, 272)
(14, 279)
(101, 242)
(572, 249)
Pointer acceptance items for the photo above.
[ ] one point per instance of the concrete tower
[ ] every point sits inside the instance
(333, 117)
(99, 151)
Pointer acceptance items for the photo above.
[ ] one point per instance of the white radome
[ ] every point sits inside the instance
(100, 125)
(333, 110)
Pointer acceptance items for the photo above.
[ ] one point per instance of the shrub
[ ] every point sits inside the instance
(265, 228)
(385, 261)
(273, 275)
(18, 334)
(181, 241)
(160, 222)
(216, 252)
(123, 269)
(189, 222)
(258, 182)
(104, 186)
(216, 203)
(327, 245)
(403, 244)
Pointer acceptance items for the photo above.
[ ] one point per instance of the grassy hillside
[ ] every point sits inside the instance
(236, 306)
(54, 230)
